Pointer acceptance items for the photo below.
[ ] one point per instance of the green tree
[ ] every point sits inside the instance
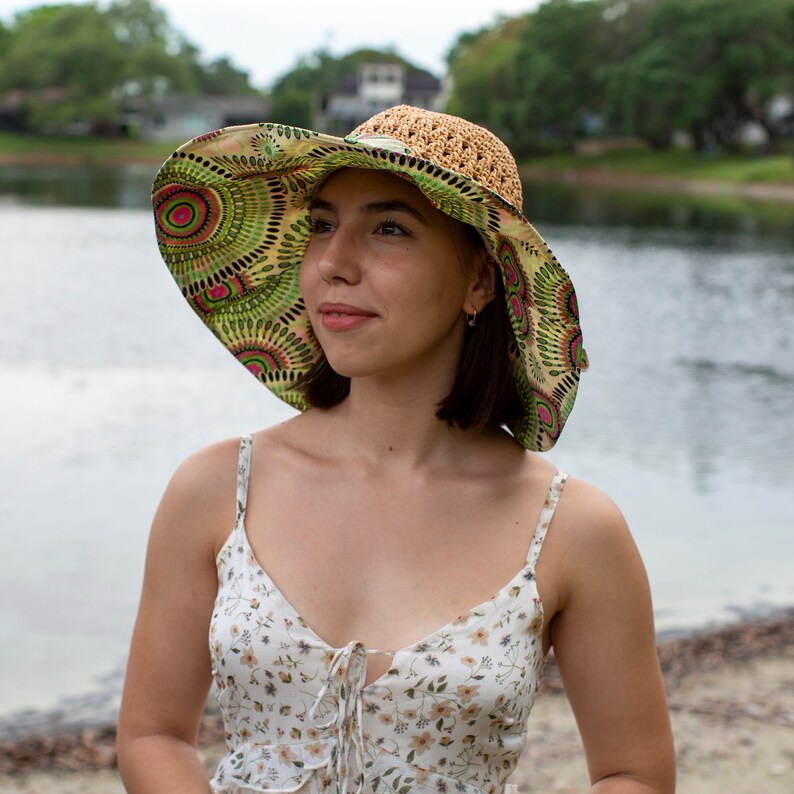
(705, 66)
(482, 72)
(156, 58)
(293, 95)
(5, 39)
(67, 61)
(556, 66)
(220, 77)
(75, 64)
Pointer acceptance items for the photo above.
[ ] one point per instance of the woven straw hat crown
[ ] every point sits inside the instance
(453, 143)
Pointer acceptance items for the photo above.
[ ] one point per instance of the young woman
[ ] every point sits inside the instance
(370, 572)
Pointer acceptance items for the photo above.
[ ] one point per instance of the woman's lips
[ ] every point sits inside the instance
(343, 317)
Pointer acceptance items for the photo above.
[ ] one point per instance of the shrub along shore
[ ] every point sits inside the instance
(764, 178)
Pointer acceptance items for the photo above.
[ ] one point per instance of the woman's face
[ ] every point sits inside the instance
(383, 279)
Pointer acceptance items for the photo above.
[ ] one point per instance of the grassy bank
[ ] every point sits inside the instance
(674, 164)
(46, 150)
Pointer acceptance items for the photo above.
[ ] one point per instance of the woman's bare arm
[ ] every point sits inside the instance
(169, 673)
(605, 647)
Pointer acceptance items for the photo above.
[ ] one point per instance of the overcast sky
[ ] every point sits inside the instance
(265, 38)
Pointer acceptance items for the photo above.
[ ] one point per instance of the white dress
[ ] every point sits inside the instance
(449, 715)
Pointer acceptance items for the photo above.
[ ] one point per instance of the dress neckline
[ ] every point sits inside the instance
(525, 574)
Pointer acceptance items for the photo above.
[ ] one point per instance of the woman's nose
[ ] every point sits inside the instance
(337, 258)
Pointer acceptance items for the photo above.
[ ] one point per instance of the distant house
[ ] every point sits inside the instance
(15, 108)
(375, 87)
(12, 112)
(178, 117)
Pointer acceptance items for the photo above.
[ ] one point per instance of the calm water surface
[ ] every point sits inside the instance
(108, 382)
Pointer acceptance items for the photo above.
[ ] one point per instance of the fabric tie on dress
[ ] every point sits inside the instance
(347, 723)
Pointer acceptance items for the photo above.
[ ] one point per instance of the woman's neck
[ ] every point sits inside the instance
(395, 424)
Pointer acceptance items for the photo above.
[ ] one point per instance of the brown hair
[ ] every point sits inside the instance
(483, 395)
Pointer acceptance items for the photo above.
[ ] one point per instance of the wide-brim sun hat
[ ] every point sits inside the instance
(232, 220)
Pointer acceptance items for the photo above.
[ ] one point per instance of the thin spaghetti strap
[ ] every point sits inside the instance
(546, 514)
(243, 471)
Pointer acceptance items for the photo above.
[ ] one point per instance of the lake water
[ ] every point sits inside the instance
(108, 381)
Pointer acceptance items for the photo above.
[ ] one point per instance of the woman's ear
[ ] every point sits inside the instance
(482, 288)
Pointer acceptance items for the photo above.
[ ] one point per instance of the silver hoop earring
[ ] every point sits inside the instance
(472, 319)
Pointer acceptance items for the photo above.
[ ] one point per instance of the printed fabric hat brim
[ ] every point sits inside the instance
(232, 221)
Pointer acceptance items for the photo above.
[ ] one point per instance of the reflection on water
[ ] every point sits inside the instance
(129, 187)
(108, 380)
(77, 185)
(709, 217)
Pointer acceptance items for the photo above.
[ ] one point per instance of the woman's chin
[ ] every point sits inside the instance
(364, 364)
(353, 369)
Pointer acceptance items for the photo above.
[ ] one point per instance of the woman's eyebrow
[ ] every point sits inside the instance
(390, 205)
(321, 204)
(393, 205)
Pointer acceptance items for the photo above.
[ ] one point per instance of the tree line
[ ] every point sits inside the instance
(64, 64)
(67, 66)
(570, 69)
(643, 68)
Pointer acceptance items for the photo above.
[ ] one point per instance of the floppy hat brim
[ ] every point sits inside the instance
(232, 223)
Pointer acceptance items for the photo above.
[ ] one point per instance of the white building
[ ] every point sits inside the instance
(375, 87)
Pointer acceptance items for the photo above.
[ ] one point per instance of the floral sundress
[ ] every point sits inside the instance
(448, 716)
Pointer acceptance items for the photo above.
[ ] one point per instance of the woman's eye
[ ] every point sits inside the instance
(391, 228)
(318, 226)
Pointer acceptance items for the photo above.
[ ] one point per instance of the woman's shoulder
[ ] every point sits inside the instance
(207, 472)
(582, 513)
(198, 510)
(199, 502)
(588, 507)
(588, 520)
(591, 538)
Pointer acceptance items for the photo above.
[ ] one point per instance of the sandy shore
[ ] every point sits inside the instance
(731, 694)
